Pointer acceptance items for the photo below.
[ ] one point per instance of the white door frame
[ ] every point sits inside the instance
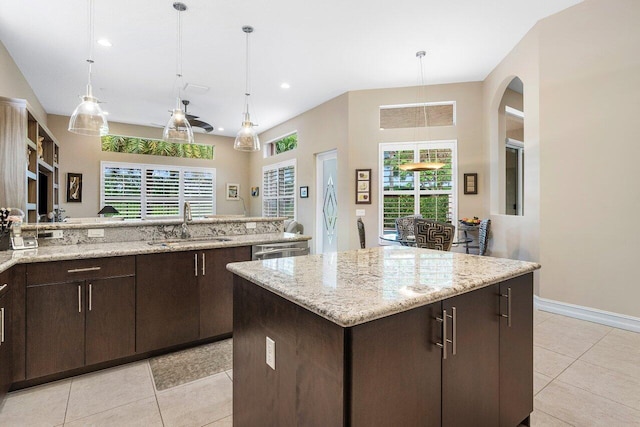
(320, 159)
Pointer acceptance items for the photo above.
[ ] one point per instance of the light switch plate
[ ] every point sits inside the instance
(360, 212)
(271, 353)
(95, 232)
(251, 225)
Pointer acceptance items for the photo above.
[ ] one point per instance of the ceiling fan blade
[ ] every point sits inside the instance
(199, 123)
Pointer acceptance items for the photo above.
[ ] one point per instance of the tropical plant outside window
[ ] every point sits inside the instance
(433, 197)
(281, 145)
(155, 147)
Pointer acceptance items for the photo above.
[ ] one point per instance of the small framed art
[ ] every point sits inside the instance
(363, 186)
(233, 191)
(470, 183)
(74, 187)
(304, 192)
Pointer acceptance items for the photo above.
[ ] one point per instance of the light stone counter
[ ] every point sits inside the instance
(354, 287)
(101, 250)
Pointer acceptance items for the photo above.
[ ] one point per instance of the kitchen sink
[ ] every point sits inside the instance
(178, 242)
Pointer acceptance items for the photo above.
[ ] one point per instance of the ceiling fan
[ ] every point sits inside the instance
(193, 120)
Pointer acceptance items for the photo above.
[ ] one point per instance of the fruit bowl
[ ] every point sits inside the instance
(470, 222)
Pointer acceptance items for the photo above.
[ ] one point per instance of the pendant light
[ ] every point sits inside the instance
(88, 118)
(247, 138)
(178, 128)
(422, 166)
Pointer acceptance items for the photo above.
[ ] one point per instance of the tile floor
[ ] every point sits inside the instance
(585, 374)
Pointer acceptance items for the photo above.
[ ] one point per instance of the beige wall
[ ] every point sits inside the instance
(82, 154)
(320, 129)
(14, 85)
(365, 136)
(589, 106)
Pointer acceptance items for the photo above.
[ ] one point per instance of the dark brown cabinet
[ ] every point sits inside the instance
(6, 339)
(166, 300)
(216, 289)
(516, 350)
(466, 360)
(78, 313)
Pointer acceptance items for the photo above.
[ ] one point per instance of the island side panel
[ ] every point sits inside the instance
(516, 351)
(395, 370)
(307, 386)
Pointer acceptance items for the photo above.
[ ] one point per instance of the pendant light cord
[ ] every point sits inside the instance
(246, 86)
(91, 36)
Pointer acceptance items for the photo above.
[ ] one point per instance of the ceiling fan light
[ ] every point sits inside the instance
(178, 128)
(247, 138)
(422, 166)
(88, 118)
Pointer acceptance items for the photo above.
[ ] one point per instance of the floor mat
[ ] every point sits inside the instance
(189, 365)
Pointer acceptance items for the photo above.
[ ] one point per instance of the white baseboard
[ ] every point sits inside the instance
(608, 318)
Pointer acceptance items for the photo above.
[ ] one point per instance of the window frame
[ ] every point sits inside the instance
(277, 167)
(143, 185)
(416, 191)
(269, 149)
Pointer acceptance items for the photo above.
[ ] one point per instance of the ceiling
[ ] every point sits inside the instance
(322, 49)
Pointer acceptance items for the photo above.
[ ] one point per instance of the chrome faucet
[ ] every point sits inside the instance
(186, 219)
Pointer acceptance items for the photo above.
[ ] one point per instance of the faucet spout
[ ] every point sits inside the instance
(186, 219)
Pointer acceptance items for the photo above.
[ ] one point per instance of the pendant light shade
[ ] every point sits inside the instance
(247, 137)
(429, 165)
(178, 128)
(88, 118)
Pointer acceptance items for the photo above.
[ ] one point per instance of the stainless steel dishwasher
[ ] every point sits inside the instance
(279, 250)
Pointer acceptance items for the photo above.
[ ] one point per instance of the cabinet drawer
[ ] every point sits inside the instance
(93, 268)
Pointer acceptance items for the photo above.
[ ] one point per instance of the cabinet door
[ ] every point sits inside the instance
(110, 324)
(472, 374)
(216, 290)
(395, 370)
(516, 350)
(55, 328)
(166, 300)
(6, 355)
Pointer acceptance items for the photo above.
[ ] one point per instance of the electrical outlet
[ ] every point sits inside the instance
(250, 225)
(271, 353)
(95, 232)
(56, 234)
(360, 212)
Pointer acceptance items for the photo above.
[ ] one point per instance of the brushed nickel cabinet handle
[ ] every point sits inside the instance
(82, 270)
(443, 344)
(79, 299)
(508, 315)
(454, 332)
(3, 286)
(195, 261)
(2, 320)
(90, 296)
(203, 265)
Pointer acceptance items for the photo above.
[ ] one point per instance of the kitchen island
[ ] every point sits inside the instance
(383, 336)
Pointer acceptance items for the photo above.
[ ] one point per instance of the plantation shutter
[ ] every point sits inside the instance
(279, 190)
(157, 191)
(121, 189)
(199, 191)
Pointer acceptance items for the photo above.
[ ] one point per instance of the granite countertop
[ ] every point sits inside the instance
(101, 250)
(354, 287)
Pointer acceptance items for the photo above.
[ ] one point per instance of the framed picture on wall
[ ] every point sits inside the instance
(233, 191)
(74, 187)
(470, 183)
(363, 186)
(304, 192)
(255, 191)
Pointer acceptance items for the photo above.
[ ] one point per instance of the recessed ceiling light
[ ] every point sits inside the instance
(104, 42)
(285, 85)
(220, 129)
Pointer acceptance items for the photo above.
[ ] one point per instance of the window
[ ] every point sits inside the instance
(157, 191)
(514, 161)
(279, 189)
(413, 115)
(281, 145)
(433, 194)
(155, 147)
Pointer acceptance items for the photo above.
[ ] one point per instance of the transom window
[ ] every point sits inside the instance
(429, 193)
(140, 191)
(281, 145)
(279, 189)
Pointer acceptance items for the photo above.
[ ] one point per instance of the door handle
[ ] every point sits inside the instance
(90, 296)
(2, 320)
(195, 264)
(508, 315)
(203, 264)
(79, 298)
(443, 344)
(82, 270)
(3, 286)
